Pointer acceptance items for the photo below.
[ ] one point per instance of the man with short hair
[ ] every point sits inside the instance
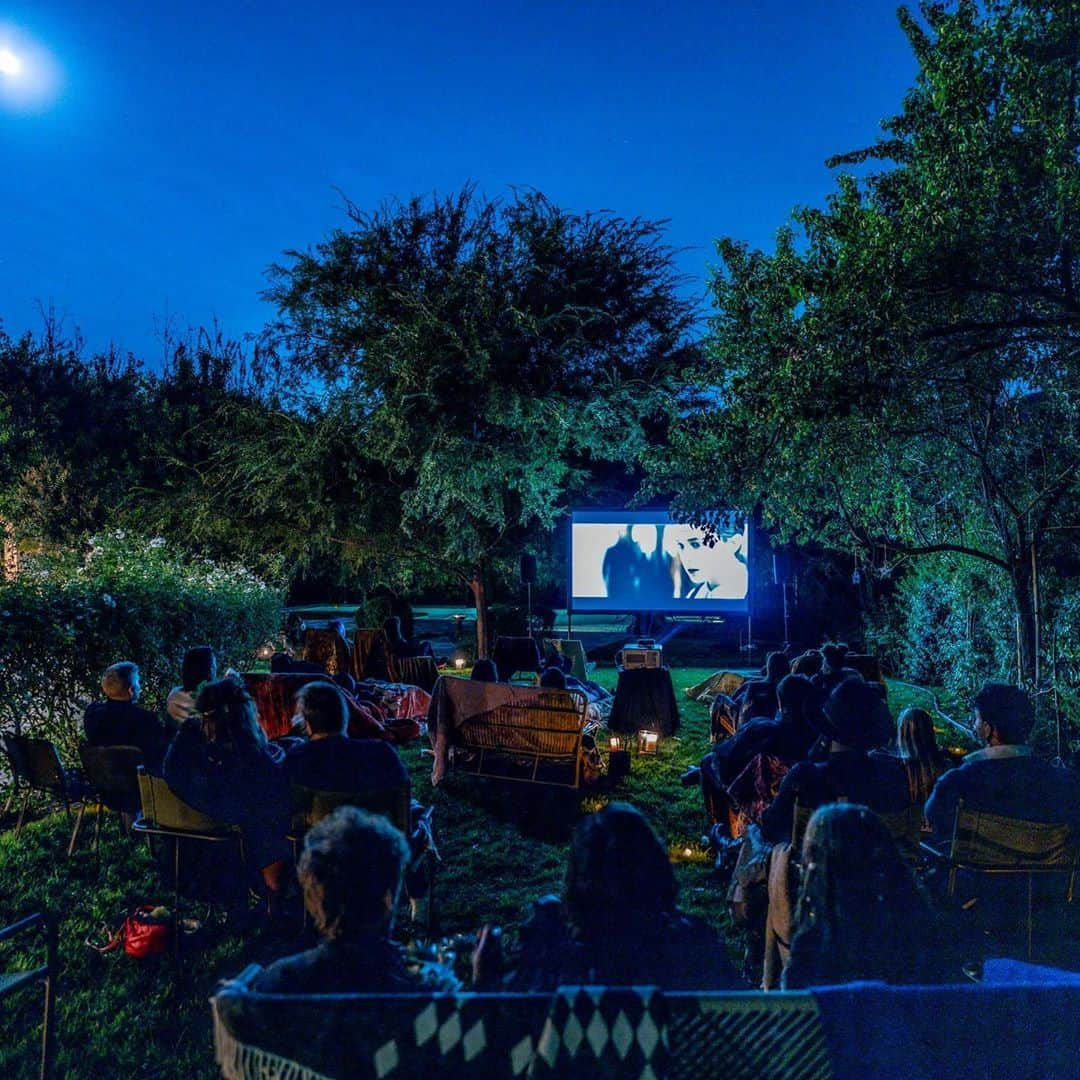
(1005, 777)
(350, 873)
(329, 760)
(118, 721)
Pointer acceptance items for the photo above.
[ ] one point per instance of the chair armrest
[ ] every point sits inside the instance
(933, 852)
(241, 982)
(39, 918)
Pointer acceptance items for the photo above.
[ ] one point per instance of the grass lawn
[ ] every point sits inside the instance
(120, 1017)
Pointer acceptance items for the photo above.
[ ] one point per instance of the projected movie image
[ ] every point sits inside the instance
(644, 561)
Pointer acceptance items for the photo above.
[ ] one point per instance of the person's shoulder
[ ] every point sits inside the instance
(295, 974)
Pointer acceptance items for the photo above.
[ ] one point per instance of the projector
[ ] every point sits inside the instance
(641, 655)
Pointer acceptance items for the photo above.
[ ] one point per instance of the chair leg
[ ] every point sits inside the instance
(22, 813)
(1030, 916)
(75, 831)
(97, 828)
(176, 897)
(12, 792)
(48, 1038)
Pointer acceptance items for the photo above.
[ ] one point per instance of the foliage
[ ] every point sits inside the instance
(70, 616)
(899, 376)
(466, 366)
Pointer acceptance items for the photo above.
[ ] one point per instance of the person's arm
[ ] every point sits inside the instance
(941, 806)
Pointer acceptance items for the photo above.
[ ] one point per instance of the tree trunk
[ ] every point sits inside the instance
(1023, 598)
(10, 566)
(479, 591)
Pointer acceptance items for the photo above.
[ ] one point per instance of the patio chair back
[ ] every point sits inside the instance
(311, 806)
(112, 773)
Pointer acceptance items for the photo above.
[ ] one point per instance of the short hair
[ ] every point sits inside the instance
(792, 694)
(809, 663)
(834, 654)
(553, 678)
(616, 864)
(777, 666)
(324, 707)
(350, 861)
(199, 666)
(1007, 709)
(119, 677)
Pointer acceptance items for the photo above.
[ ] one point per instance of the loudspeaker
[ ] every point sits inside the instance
(528, 569)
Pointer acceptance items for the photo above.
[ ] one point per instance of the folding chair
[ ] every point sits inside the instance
(993, 845)
(35, 766)
(113, 782)
(11, 981)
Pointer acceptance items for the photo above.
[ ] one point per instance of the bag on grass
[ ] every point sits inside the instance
(143, 932)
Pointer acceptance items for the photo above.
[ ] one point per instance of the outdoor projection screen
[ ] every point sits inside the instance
(643, 560)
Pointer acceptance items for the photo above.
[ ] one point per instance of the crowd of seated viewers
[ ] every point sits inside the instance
(812, 734)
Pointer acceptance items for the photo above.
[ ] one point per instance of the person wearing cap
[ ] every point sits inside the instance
(855, 721)
(1005, 777)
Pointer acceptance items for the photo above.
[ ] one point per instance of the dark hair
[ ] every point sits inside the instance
(917, 743)
(553, 678)
(758, 701)
(833, 655)
(484, 670)
(350, 861)
(792, 694)
(809, 663)
(777, 666)
(230, 712)
(199, 666)
(324, 707)
(616, 864)
(858, 900)
(1008, 710)
(294, 629)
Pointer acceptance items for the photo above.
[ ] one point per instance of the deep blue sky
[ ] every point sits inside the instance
(187, 144)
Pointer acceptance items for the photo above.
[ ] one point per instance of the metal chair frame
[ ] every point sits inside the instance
(100, 794)
(153, 789)
(36, 766)
(1059, 854)
(11, 981)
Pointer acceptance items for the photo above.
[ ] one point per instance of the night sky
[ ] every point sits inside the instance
(157, 156)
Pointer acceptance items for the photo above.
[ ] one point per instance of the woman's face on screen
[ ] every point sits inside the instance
(702, 563)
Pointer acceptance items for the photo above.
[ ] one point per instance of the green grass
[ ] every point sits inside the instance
(120, 1017)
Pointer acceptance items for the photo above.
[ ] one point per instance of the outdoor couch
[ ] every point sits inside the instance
(1019, 1023)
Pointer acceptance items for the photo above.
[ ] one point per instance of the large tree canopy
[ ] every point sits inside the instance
(470, 365)
(901, 373)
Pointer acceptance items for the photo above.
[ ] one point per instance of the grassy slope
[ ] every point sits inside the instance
(120, 1017)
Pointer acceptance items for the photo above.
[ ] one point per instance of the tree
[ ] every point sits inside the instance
(902, 377)
(468, 365)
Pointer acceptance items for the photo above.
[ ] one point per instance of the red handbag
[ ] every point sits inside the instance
(144, 934)
(141, 934)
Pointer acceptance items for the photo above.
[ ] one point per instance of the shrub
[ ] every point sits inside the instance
(69, 616)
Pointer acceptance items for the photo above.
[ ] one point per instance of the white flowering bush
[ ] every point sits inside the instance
(123, 597)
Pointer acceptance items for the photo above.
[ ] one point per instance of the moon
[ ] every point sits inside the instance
(9, 63)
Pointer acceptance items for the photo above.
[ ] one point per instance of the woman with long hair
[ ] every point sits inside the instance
(917, 746)
(860, 914)
(221, 763)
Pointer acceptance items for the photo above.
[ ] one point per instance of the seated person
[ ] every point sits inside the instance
(1005, 777)
(776, 667)
(855, 720)
(860, 914)
(618, 923)
(118, 721)
(484, 670)
(833, 672)
(400, 646)
(350, 872)
(917, 748)
(199, 666)
(221, 764)
(328, 760)
(553, 678)
(281, 663)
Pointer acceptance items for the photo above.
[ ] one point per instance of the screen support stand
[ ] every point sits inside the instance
(787, 641)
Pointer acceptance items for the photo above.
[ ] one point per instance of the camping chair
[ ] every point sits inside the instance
(395, 804)
(35, 766)
(113, 782)
(11, 981)
(991, 845)
(421, 671)
(574, 651)
(905, 827)
(164, 813)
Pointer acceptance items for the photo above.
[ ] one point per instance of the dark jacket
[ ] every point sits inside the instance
(368, 964)
(1006, 780)
(123, 723)
(880, 783)
(248, 790)
(668, 949)
(338, 763)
